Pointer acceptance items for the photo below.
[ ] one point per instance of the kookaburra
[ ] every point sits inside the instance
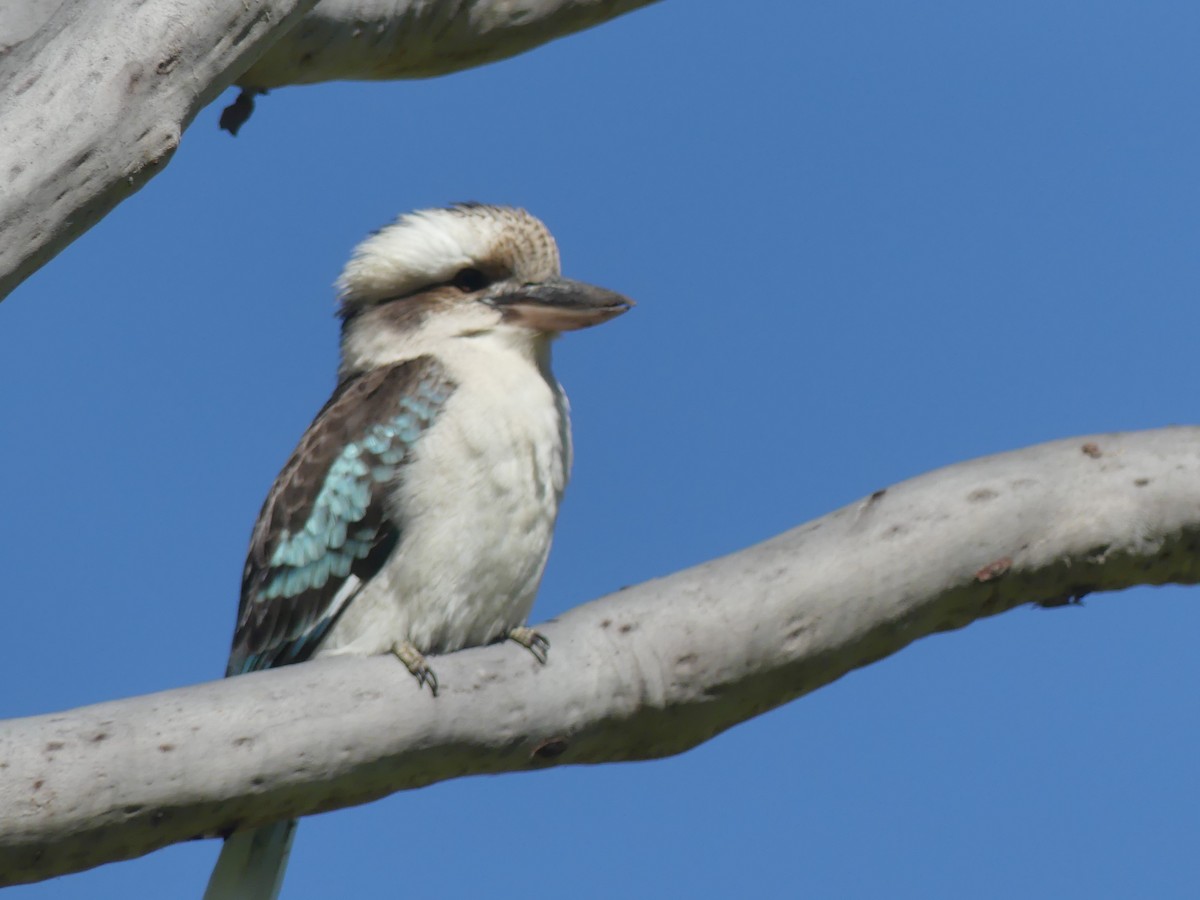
(416, 514)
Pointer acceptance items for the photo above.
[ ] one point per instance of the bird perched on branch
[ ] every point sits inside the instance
(416, 514)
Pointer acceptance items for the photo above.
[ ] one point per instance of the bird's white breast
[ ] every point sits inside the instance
(476, 509)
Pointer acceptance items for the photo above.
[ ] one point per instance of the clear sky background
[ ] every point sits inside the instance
(867, 239)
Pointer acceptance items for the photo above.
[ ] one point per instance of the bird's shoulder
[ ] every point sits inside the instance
(377, 414)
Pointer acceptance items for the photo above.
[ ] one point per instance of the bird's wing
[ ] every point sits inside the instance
(324, 530)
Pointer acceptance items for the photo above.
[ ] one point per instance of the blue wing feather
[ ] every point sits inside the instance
(324, 521)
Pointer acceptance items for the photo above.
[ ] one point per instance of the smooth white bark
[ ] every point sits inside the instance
(93, 105)
(94, 97)
(647, 672)
(20, 20)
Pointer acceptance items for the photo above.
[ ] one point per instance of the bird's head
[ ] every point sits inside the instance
(461, 273)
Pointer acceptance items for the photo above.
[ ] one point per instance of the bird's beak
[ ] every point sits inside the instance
(560, 305)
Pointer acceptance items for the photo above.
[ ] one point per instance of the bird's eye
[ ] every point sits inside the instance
(468, 280)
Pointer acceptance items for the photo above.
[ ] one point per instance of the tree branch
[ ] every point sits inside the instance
(95, 96)
(385, 39)
(648, 672)
(94, 103)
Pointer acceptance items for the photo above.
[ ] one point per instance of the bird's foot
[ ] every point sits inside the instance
(533, 641)
(415, 663)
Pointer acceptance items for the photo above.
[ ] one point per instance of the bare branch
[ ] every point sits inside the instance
(647, 672)
(385, 39)
(93, 105)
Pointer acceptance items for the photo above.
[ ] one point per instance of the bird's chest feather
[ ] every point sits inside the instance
(476, 509)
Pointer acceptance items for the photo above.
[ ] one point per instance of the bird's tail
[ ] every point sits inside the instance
(251, 863)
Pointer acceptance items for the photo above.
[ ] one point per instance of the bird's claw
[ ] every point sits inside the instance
(416, 664)
(532, 640)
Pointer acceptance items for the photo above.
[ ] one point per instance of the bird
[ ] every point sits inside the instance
(415, 516)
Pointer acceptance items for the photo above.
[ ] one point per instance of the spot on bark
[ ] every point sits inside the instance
(797, 629)
(994, 570)
(550, 748)
(1092, 450)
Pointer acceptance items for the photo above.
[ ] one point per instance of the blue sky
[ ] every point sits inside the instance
(867, 240)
